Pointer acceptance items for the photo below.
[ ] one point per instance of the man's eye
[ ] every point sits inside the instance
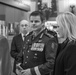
(36, 21)
(25, 25)
(22, 25)
(31, 21)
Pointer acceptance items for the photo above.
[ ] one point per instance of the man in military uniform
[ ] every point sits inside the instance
(39, 50)
(18, 42)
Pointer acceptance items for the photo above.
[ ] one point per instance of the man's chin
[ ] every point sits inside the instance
(34, 29)
(24, 32)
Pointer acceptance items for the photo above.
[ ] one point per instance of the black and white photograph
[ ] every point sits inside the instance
(37, 37)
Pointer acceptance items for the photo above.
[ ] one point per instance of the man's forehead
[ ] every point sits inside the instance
(24, 22)
(35, 17)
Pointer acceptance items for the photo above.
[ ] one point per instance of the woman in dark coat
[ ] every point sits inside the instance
(65, 63)
(5, 62)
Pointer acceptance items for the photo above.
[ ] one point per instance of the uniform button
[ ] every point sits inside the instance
(26, 56)
(29, 45)
(23, 52)
(25, 62)
(28, 40)
(35, 57)
(27, 51)
(23, 47)
(35, 53)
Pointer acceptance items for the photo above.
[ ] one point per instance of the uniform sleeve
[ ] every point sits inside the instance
(50, 53)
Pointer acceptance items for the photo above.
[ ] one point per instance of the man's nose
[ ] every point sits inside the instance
(33, 22)
(24, 27)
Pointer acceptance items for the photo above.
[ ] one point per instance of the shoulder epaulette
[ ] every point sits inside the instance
(49, 34)
(30, 33)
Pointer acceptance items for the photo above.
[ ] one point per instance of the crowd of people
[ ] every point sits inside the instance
(41, 51)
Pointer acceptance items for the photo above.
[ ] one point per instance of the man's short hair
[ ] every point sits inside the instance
(38, 13)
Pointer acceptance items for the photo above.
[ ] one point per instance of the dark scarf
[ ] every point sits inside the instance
(61, 46)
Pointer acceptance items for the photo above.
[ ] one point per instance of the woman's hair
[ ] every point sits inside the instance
(68, 21)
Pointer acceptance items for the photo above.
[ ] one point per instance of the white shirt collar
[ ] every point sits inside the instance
(24, 35)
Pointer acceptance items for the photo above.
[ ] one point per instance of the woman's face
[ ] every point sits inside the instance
(60, 31)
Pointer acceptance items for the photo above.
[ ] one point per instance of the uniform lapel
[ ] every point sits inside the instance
(38, 37)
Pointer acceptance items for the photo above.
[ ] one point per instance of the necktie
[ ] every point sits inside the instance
(24, 37)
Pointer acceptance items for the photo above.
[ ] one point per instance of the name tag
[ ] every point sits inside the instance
(37, 47)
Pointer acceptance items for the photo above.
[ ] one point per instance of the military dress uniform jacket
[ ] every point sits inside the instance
(16, 49)
(39, 53)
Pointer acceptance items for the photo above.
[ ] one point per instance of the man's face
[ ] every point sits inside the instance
(35, 22)
(24, 27)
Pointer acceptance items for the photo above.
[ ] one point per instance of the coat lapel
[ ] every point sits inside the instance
(20, 37)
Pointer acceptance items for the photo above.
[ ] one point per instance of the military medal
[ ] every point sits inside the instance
(37, 47)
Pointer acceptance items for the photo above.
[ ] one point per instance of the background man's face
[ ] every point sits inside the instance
(24, 27)
(35, 22)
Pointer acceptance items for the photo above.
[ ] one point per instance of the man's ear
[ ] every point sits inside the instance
(43, 22)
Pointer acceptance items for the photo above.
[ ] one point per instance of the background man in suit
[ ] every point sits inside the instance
(39, 48)
(17, 44)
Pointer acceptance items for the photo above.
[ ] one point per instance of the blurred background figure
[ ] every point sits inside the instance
(5, 62)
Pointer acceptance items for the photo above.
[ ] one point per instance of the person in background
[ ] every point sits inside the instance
(40, 48)
(5, 61)
(17, 44)
(65, 63)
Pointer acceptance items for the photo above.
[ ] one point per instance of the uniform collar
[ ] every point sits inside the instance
(39, 35)
(34, 34)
